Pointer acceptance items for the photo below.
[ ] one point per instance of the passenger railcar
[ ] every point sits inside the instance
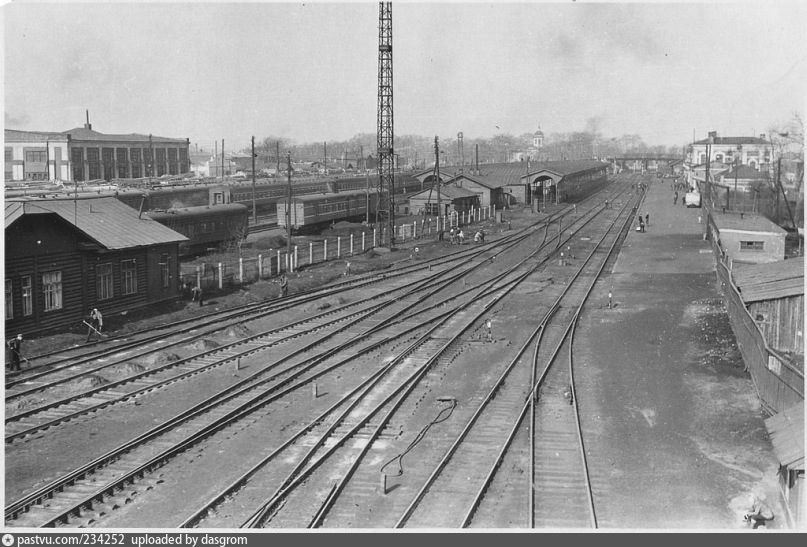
(206, 227)
(312, 212)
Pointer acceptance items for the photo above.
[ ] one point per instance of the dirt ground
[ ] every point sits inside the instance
(309, 276)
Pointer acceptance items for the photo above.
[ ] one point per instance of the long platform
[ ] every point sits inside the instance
(663, 385)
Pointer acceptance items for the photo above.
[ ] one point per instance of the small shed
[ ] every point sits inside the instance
(774, 295)
(750, 238)
(786, 430)
(453, 199)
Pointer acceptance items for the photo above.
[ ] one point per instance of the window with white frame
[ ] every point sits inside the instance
(128, 273)
(27, 296)
(165, 272)
(52, 291)
(103, 281)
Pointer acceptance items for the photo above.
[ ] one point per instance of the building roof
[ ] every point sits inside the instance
(733, 141)
(747, 223)
(786, 430)
(84, 134)
(14, 135)
(745, 172)
(107, 221)
(497, 175)
(447, 191)
(769, 281)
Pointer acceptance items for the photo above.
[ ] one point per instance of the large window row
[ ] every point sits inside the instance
(52, 293)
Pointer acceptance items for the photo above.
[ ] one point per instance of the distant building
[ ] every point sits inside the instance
(505, 184)
(64, 256)
(82, 154)
(755, 152)
(742, 178)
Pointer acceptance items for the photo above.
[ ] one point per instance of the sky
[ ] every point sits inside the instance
(308, 71)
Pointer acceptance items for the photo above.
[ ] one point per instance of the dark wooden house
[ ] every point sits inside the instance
(63, 257)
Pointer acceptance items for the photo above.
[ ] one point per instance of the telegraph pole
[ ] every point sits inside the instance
(288, 216)
(437, 177)
(254, 209)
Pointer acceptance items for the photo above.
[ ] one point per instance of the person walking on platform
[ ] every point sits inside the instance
(489, 326)
(284, 285)
(15, 345)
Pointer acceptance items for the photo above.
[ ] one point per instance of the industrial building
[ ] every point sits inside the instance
(83, 154)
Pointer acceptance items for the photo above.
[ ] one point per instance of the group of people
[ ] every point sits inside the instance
(643, 222)
(456, 235)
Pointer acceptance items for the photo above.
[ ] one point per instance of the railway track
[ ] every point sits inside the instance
(43, 494)
(135, 467)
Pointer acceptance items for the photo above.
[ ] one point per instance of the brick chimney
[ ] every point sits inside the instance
(88, 125)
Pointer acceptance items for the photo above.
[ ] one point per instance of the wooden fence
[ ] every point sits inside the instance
(778, 383)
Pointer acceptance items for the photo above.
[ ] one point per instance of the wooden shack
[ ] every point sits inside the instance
(773, 293)
(786, 430)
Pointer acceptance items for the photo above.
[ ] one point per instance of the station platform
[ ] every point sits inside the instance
(678, 432)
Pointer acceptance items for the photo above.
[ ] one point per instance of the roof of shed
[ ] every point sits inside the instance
(497, 175)
(770, 281)
(568, 167)
(786, 430)
(747, 223)
(109, 222)
(446, 191)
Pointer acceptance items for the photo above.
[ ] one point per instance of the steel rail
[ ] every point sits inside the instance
(452, 449)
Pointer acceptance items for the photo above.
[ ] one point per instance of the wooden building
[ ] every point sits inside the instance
(63, 257)
(774, 295)
(786, 430)
(453, 199)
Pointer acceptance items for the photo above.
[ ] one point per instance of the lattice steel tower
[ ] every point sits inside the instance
(385, 211)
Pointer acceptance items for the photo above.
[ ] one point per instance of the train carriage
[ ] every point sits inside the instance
(206, 226)
(313, 212)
